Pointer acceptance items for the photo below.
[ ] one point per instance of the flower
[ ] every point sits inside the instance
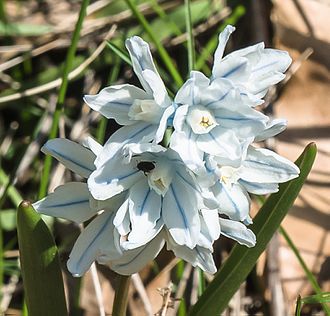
(161, 190)
(212, 118)
(253, 69)
(144, 113)
(259, 173)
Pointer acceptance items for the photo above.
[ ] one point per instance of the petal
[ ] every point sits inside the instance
(192, 90)
(139, 132)
(234, 200)
(157, 86)
(265, 166)
(180, 214)
(114, 102)
(113, 178)
(134, 260)
(72, 155)
(92, 145)
(211, 220)
(121, 220)
(198, 256)
(237, 231)
(184, 143)
(243, 120)
(97, 239)
(142, 60)
(259, 188)
(144, 210)
(273, 128)
(220, 142)
(163, 124)
(223, 39)
(69, 201)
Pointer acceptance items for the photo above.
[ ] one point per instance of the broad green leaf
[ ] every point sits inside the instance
(242, 259)
(42, 277)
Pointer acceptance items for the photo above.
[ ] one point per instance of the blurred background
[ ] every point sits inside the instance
(35, 36)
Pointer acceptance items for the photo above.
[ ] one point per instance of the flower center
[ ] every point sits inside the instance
(145, 110)
(229, 175)
(160, 177)
(201, 120)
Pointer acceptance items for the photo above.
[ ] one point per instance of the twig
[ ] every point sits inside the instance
(138, 284)
(166, 294)
(56, 83)
(98, 289)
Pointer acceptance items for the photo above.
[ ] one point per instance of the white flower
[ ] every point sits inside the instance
(212, 118)
(144, 113)
(253, 69)
(259, 173)
(159, 187)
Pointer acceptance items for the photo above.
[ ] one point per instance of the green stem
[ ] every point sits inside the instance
(201, 282)
(308, 273)
(167, 137)
(61, 96)
(162, 52)
(121, 295)
(190, 37)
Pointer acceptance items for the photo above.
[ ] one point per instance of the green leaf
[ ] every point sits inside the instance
(42, 277)
(8, 219)
(242, 259)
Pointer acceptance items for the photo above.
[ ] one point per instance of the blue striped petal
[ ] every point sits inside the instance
(180, 214)
(114, 102)
(237, 231)
(69, 201)
(72, 155)
(96, 240)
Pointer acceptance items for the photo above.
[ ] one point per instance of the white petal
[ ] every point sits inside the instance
(69, 201)
(114, 102)
(259, 188)
(74, 156)
(243, 120)
(134, 260)
(92, 145)
(234, 200)
(142, 60)
(113, 178)
(121, 220)
(237, 231)
(223, 39)
(220, 142)
(264, 166)
(139, 132)
(96, 240)
(197, 257)
(180, 214)
(156, 84)
(211, 219)
(274, 127)
(163, 124)
(192, 90)
(144, 209)
(184, 143)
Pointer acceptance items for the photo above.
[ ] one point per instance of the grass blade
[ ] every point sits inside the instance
(42, 277)
(308, 273)
(242, 259)
(190, 37)
(119, 52)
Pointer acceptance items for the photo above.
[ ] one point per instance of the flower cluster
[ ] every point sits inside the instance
(141, 194)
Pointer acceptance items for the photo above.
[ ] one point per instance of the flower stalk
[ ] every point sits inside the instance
(121, 295)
